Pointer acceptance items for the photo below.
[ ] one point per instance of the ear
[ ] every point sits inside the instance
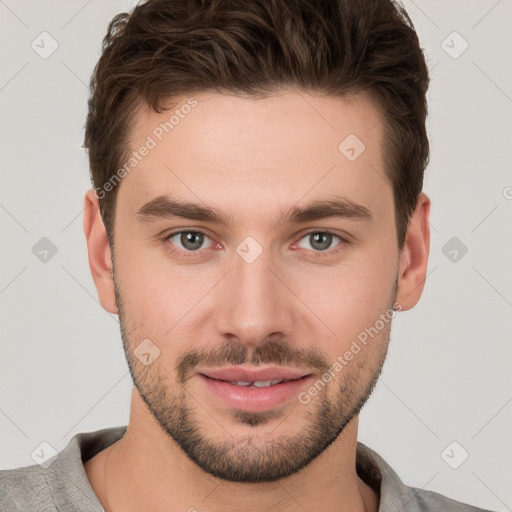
(98, 249)
(414, 256)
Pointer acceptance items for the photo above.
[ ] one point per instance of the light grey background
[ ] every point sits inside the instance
(447, 377)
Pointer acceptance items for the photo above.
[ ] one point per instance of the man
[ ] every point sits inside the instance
(257, 211)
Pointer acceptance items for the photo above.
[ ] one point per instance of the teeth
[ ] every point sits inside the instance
(262, 383)
(258, 383)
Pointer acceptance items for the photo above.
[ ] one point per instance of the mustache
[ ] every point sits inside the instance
(274, 352)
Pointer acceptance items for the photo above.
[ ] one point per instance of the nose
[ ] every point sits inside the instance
(254, 303)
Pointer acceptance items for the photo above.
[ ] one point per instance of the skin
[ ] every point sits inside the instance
(252, 159)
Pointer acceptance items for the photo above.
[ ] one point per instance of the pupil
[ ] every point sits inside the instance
(191, 240)
(325, 241)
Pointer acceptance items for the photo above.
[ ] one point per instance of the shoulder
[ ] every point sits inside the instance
(61, 483)
(429, 501)
(25, 489)
(395, 495)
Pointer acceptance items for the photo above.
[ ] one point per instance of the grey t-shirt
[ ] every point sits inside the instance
(63, 485)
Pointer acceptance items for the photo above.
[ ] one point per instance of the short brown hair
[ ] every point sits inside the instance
(167, 48)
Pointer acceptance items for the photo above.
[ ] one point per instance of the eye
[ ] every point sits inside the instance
(191, 241)
(320, 241)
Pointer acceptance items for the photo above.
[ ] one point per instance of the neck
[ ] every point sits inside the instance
(147, 470)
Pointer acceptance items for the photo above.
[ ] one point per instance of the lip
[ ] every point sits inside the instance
(237, 373)
(247, 398)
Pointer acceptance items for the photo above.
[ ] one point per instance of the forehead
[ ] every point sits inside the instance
(226, 149)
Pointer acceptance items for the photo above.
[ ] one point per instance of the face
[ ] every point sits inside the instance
(289, 285)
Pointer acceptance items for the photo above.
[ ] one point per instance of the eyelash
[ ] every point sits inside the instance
(316, 254)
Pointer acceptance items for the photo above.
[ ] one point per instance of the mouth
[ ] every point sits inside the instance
(244, 376)
(250, 389)
(258, 383)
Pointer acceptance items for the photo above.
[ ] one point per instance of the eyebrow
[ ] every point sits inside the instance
(165, 207)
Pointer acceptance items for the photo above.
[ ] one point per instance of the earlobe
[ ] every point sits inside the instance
(98, 249)
(414, 256)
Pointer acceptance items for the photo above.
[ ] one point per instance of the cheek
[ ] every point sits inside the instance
(350, 297)
(152, 301)
(162, 302)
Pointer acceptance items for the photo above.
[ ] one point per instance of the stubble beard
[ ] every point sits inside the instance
(254, 458)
